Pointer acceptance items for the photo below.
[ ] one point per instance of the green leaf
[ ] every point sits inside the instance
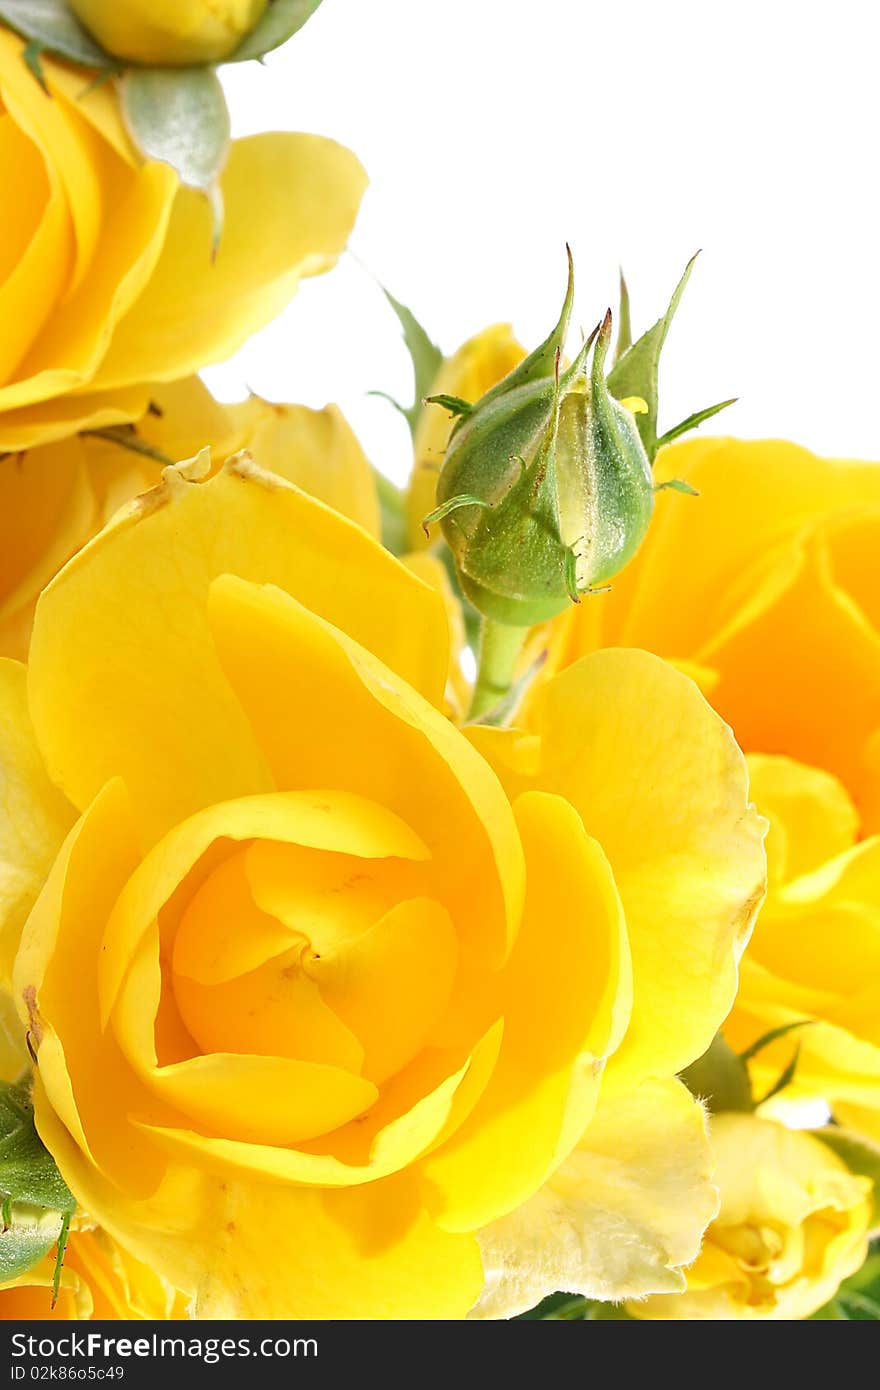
(36, 1203)
(861, 1155)
(53, 27)
(279, 23)
(27, 1170)
(425, 356)
(179, 116)
(637, 372)
(692, 421)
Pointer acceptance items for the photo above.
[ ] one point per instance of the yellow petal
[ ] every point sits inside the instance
(791, 1225)
(290, 203)
(795, 594)
(260, 1250)
(432, 570)
(753, 494)
(122, 643)
(47, 510)
(812, 818)
(619, 1218)
(63, 416)
(392, 983)
(34, 816)
(186, 419)
(330, 821)
(660, 783)
(262, 1100)
(397, 1141)
(318, 451)
(327, 713)
(90, 1086)
(566, 1001)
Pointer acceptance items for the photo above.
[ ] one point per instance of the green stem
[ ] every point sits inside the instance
(500, 647)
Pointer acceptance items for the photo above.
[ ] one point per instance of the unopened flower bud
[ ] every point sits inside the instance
(546, 489)
(169, 32)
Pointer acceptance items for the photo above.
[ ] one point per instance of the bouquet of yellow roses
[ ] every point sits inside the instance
(415, 904)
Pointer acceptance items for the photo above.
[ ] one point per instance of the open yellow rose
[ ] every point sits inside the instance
(98, 1280)
(55, 497)
(106, 278)
(315, 997)
(792, 1225)
(766, 590)
(169, 31)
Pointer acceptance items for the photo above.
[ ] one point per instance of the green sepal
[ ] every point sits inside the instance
(452, 504)
(180, 116)
(279, 23)
(677, 485)
(772, 1036)
(860, 1154)
(454, 404)
(692, 421)
(36, 1202)
(424, 354)
(624, 322)
(785, 1077)
(52, 27)
(27, 1170)
(32, 58)
(27, 1237)
(720, 1078)
(127, 437)
(637, 372)
(543, 362)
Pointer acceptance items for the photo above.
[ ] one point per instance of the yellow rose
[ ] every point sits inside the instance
(477, 365)
(765, 589)
(98, 1280)
(792, 1224)
(106, 277)
(316, 998)
(169, 32)
(54, 498)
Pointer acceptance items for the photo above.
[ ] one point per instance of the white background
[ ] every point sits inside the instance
(495, 130)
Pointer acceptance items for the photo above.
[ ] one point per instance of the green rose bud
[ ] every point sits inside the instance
(546, 489)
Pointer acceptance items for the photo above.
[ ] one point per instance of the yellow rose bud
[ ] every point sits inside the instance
(108, 280)
(169, 32)
(792, 1224)
(781, 548)
(98, 1280)
(54, 498)
(318, 986)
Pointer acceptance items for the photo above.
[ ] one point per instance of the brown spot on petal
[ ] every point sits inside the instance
(35, 1023)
